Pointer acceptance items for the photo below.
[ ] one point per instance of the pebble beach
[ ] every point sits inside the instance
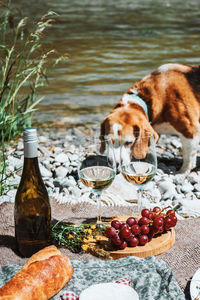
(58, 152)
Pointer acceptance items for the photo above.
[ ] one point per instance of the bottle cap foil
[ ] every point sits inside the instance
(30, 135)
(30, 142)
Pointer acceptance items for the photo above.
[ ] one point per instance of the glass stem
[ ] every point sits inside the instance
(139, 204)
(98, 199)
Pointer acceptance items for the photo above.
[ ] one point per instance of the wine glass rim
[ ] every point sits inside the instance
(102, 137)
(138, 134)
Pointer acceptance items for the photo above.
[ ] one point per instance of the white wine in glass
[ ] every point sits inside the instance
(138, 161)
(97, 167)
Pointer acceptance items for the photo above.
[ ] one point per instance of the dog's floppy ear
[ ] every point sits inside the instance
(105, 126)
(104, 130)
(140, 146)
(155, 135)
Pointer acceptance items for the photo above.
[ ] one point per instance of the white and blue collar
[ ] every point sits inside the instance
(134, 98)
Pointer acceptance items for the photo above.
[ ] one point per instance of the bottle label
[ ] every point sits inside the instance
(30, 149)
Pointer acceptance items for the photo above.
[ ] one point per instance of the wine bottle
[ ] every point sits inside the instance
(32, 211)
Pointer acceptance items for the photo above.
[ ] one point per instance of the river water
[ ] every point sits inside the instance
(111, 44)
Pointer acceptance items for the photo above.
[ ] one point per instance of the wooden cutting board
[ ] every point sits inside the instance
(157, 245)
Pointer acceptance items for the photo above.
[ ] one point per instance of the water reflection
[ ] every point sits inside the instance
(111, 44)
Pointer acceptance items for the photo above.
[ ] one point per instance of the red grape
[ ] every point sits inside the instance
(124, 225)
(154, 215)
(143, 221)
(145, 212)
(170, 212)
(144, 229)
(151, 215)
(174, 220)
(131, 221)
(160, 229)
(135, 229)
(158, 222)
(110, 232)
(134, 241)
(125, 233)
(123, 245)
(156, 209)
(129, 238)
(143, 239)
(116, 224)
(116, 240)
(168, 222)
(151, 234)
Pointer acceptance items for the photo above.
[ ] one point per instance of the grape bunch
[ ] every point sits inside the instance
(138, 232)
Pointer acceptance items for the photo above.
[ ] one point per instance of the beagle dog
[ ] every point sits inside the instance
(167, 101)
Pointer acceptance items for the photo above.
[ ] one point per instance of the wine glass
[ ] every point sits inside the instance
(138, 161)
(97, 167)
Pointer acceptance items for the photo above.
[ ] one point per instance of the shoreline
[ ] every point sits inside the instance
(58, 157)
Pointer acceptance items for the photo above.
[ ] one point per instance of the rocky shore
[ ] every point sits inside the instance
(58, 152)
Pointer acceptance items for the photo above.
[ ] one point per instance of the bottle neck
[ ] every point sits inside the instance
(31, 167)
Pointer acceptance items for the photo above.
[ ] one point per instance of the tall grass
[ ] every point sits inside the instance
(23, 70)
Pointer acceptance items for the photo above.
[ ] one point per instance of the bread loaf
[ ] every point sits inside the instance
(43, 275)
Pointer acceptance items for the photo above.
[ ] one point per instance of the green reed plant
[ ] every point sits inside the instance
(24, 65)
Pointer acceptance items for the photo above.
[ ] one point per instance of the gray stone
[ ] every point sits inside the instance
(47, 164)
(77, 133)
(15, 180)
(5, 198)
(197, 187)
(73, 156)
(197, 194)
(74, 163)
(68, 167)
(167, 189)
(15, 163)
(42, 139)
(193, 178)
(176, 143)
(62, 158)
(44, 150)
(12, 194)
(18, 154)
(61, 172)
(49, 183)
(57, 150)
(65, 192)
(44, 171)
(70, 181)
(178, 179)
(20, 146)
(76, 192)
(186, 187)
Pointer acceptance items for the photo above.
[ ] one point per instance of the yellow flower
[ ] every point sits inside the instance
(84, 247)
(70, 236)
(90, 231)
(85, 240)
(93, 227)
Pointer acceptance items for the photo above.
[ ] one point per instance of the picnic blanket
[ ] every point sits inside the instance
(183, 258)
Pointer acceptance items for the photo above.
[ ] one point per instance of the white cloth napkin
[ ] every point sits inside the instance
(69, 295)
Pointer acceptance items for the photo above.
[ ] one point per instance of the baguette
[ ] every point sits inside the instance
(42, 276)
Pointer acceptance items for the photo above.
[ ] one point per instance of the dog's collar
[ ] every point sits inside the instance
(136, 99)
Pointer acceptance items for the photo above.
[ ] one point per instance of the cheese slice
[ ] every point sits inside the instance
(109, 291)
